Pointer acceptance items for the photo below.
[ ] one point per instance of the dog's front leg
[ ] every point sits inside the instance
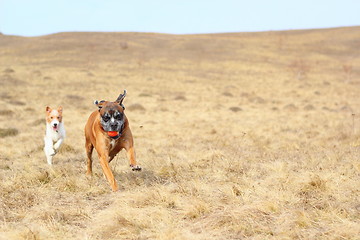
(130, 152)
(58, 144)
(49, 150)
(104, 162)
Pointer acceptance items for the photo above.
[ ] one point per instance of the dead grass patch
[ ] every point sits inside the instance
(10, 80)
(227, 94)
(8, 132)
(180, 98)
(135, 107)
(235, 109)
(76, 98)
(9, 70)
(6, 113)
(38, 122)
(17, 103)
(285, 168)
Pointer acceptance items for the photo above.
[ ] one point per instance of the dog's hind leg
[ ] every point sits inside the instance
(89, 149)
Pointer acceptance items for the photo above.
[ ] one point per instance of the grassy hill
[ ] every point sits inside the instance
(240, 135)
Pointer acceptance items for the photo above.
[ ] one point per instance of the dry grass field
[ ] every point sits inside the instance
(240, 136)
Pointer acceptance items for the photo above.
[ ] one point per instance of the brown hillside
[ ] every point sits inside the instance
(240, 135)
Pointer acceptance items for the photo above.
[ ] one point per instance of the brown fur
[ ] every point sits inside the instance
(96, 137)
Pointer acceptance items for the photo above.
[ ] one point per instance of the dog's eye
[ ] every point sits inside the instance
(51, 117)
(106, 118)
(118, 116)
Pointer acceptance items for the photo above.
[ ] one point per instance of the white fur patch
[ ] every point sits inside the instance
(53, 140)
(112, 144)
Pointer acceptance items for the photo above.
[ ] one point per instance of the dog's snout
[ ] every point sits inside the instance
(55, 124)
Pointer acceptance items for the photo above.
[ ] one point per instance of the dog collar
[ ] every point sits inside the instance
(115, 137)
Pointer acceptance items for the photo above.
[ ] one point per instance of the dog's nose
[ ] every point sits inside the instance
(55, 124)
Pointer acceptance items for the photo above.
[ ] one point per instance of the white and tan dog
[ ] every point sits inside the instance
(55, 132)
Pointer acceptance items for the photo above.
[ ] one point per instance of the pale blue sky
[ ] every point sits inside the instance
(41, 17)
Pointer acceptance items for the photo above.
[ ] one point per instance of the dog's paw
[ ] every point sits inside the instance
(52, 152)
(57, 147)
(135, 168)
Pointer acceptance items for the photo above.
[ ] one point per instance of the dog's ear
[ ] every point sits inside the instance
(60, 109)
(120, 99)
(48, 109)
(99, 104)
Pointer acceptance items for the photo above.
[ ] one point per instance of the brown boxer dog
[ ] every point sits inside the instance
(107, 129)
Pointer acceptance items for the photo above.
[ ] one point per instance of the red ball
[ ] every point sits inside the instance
(112, 133)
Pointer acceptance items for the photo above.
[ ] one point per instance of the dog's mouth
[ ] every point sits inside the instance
(55, 128)
(113, 134)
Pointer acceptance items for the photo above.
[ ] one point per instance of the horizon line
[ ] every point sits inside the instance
(167, 33)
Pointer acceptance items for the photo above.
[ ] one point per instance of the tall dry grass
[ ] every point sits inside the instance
(233, 143)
